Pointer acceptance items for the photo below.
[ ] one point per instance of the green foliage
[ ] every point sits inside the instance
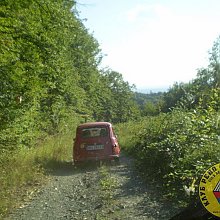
(128, 133)
(50, 80)
(189, 95)
(108, 184)
(49, 73)
(24, 170)
(32, 64)
(150, 109)
(149, 104)
(118, 98)
(177, 147)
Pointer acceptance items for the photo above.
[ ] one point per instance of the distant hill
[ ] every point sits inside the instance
(141, 98)
(151, 90)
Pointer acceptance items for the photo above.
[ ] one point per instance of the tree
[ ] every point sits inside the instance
(202, 90)
(123, 106)
(49, 67)
(214, 64)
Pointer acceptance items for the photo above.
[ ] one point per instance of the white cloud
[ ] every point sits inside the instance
(165, 48)
(147, 11)
(135, 12)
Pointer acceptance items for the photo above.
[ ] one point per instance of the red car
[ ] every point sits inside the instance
(95, 141)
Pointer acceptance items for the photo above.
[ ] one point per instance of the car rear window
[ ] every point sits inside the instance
(94, 132)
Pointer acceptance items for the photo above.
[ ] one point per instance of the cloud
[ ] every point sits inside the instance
(146, 11)
(136, 11)
(162, 47)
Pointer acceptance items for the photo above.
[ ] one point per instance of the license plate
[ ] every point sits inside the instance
(95, 147)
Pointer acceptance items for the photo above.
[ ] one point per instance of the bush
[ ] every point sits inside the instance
(23, 170)
(176, 148)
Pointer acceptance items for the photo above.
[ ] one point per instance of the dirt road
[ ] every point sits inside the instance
(96, 192)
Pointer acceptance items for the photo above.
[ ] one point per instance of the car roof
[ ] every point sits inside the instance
(92, 124)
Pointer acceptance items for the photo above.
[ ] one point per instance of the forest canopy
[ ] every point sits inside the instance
(50, 75)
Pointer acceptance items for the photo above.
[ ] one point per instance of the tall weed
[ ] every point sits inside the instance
(175, 148)
(23, 170)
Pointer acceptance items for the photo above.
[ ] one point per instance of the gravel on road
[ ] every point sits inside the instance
(93, 192)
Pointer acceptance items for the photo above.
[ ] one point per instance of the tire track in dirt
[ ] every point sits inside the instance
(96, 192)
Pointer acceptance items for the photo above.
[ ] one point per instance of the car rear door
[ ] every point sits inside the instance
(95, 142)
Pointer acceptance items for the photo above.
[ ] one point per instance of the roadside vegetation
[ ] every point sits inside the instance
(182, 139)
(51, 81)
(108, 184)
(174, 149)
(25, 170)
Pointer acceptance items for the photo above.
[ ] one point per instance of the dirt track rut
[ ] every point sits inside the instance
(96, 192)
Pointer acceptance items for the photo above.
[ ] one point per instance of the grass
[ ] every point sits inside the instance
(127, 133)
(24, 170)
(107, 184)
(174, 148)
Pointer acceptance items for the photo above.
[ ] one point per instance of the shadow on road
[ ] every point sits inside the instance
(147, 197)
(66, 168)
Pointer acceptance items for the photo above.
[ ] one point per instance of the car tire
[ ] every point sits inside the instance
(117, 160)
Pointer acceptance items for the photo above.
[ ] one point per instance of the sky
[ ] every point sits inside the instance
(153, 43)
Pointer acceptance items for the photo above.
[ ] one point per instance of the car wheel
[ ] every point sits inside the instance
(117, 160)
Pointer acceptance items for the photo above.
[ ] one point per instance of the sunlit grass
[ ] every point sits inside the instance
(127, 133)
(24, 170)
(108, 184)
(173, 148)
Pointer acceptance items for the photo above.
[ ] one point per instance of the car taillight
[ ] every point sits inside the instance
(82, 146)
(113, 148)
